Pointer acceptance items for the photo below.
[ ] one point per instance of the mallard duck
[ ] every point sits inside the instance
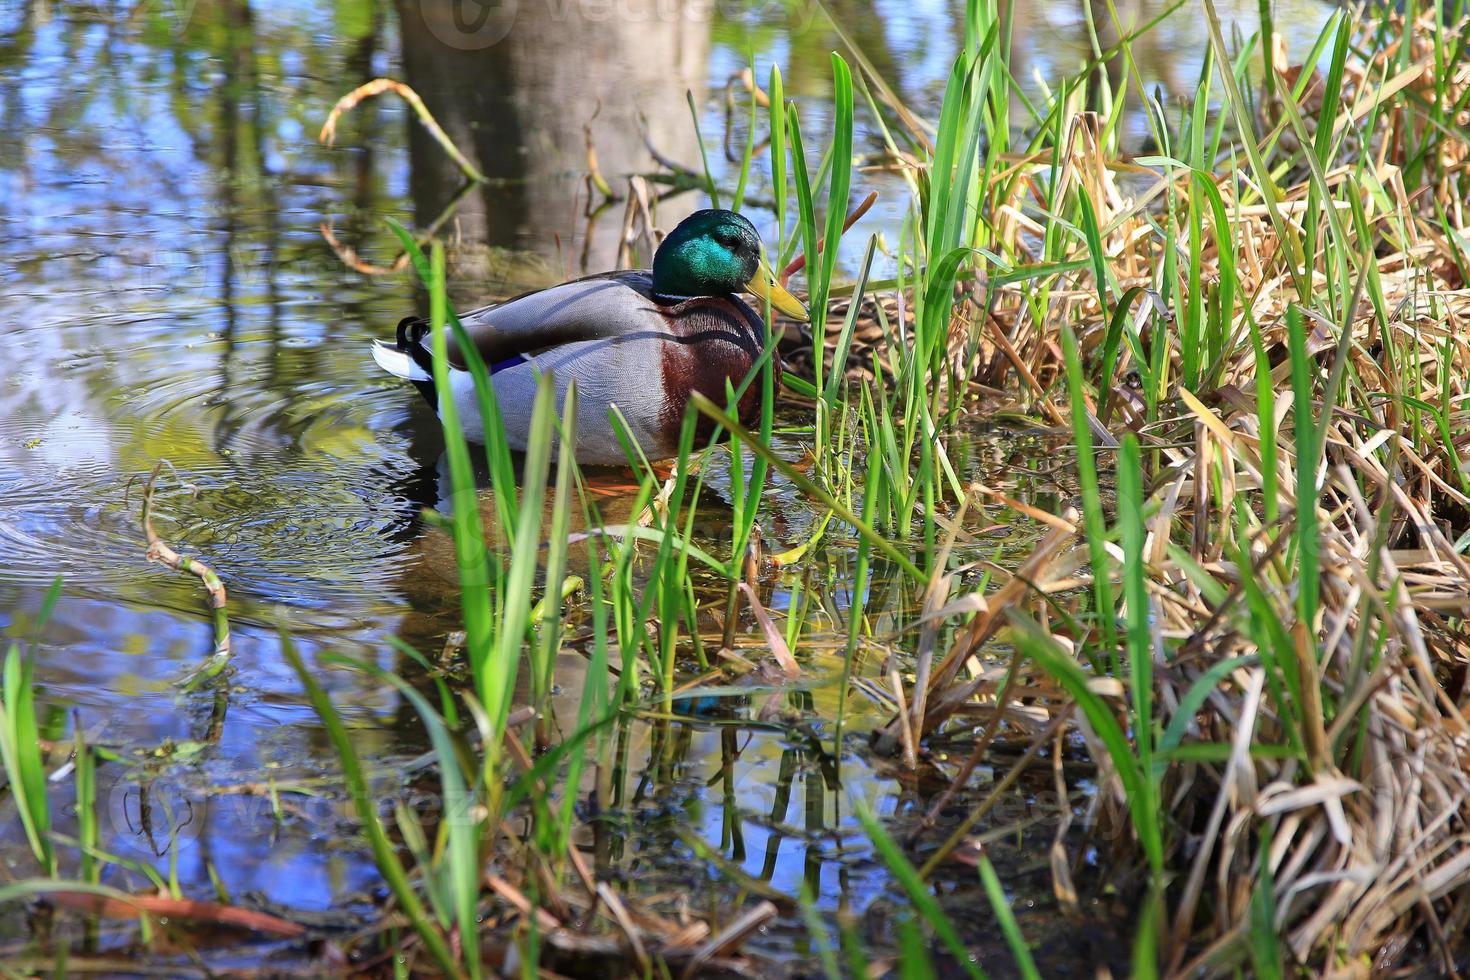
(644, 340)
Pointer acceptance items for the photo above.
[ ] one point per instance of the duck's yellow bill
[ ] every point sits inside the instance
(765, 286)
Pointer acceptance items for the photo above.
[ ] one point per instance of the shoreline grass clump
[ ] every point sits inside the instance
(1261, 342)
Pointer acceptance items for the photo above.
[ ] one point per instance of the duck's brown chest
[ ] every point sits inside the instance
(712, 341)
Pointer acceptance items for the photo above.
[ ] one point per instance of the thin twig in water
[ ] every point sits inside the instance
(160, 551)
(380, 85)
(349, 255)
(328, 135)
(595, 179)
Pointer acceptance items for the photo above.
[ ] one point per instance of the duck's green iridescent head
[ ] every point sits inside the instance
(716, 252)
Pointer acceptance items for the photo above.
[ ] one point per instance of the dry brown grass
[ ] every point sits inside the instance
(1352, 813)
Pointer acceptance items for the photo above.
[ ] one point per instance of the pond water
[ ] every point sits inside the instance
(168, 293)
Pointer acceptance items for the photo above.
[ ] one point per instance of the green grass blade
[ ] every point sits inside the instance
(1007, 919)
(806, 485)
(1140, 636)
(365, 803)
(1041, 648)
(918, 892)
(1092, 509)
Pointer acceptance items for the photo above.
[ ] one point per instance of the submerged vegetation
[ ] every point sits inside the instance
(1244, 637)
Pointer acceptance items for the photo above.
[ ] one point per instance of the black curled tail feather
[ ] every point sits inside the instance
(411, 331)
(407, 334)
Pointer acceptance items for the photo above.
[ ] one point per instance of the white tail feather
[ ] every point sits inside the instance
(397, 363)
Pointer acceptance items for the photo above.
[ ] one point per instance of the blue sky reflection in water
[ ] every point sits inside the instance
(168, 292)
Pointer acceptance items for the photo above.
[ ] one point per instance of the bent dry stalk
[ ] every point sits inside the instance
(160, 551)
